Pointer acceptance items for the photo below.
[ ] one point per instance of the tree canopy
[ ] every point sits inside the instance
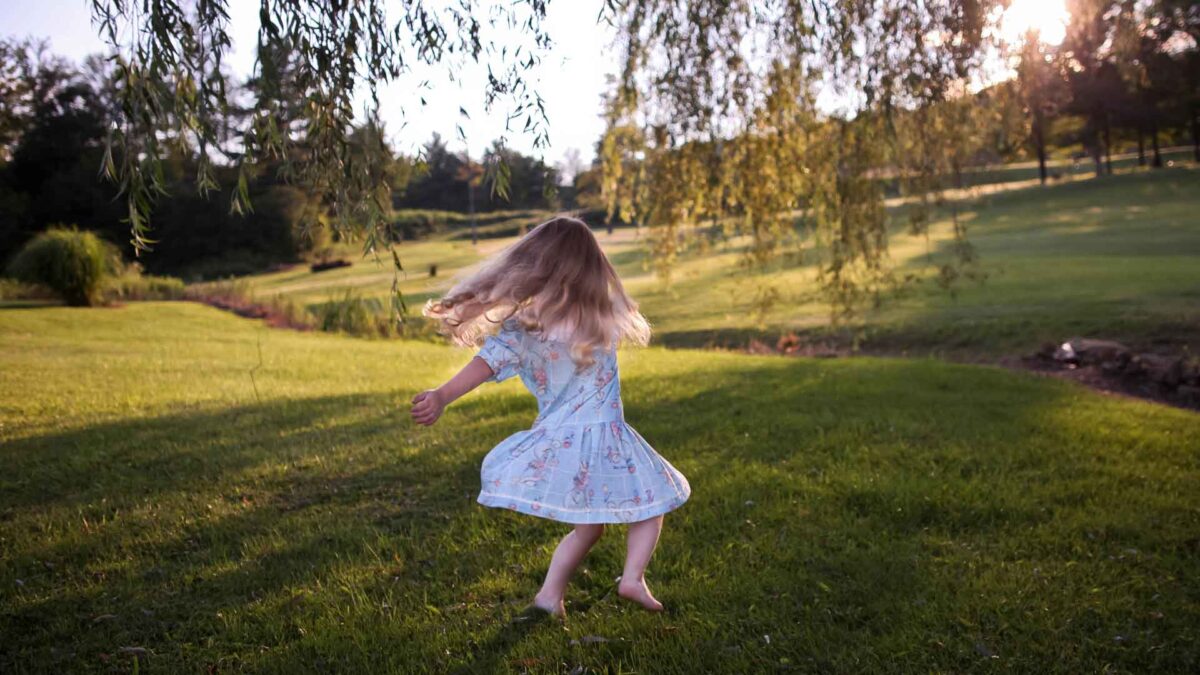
(332, 56)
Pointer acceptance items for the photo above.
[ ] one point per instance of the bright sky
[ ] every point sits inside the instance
(1048, 17)
(571, 78)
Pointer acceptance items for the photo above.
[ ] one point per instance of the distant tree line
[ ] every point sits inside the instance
(1127, 71)
(55, 117)
(446, 180)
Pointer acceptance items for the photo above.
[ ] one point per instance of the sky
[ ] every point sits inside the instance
(571, 77)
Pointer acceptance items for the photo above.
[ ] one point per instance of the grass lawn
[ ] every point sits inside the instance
(1114, 257)
(1117, 257)
(170, 503)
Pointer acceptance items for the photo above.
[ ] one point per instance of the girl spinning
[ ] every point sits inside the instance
(561, 311)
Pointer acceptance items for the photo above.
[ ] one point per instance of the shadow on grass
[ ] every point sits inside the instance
(143, 458)
(223, 511)
(28, 304)
(844, 509)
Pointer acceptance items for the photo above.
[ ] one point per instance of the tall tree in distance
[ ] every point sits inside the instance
(1091, 73)
(52, 130)
(18, 75)
(1043, 92)
(470, 174)
(531, 183)
(1174, 29)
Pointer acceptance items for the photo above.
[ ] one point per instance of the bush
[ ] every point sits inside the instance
(411, 224)
(237, 296)
(325, 264)
(355, 315)
(11, 289)
(74, 264)
(133, 285)
(199, 239)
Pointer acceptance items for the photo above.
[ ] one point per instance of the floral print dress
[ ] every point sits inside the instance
(580, 462)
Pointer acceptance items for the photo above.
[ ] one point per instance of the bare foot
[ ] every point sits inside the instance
(553, 607)
(638, 592)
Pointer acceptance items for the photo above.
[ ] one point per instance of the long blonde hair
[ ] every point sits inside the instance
(555, 280)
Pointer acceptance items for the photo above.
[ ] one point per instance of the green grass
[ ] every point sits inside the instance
(165, 489)
(370, 277)
(1113, 257)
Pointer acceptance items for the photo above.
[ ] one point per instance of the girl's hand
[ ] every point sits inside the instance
(427, 407)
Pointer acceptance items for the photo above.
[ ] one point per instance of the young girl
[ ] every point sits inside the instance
(561, 311)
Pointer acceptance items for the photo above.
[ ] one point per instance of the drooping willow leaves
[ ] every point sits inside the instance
(753, 116)
(317, 61)
(746, 116)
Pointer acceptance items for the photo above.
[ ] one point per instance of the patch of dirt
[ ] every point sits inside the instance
(1163, 375)
(272, 314)
(1094, 377)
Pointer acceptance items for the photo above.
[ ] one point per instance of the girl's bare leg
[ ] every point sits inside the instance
(643, 537)
(570, 552)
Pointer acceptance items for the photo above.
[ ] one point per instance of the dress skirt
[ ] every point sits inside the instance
(596, 472)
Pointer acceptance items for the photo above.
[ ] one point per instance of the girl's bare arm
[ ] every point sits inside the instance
(428, 405)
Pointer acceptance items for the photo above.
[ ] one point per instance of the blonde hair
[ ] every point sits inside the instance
(555, 280)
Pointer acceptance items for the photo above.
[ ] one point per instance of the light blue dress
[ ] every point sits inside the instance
(580, 462)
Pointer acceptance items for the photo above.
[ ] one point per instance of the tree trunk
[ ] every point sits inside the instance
(1107, 145)
(1141, 146)
(1196, 134)
(1039, 144)
(1094, 127)
(1157, 163)
(471, 206)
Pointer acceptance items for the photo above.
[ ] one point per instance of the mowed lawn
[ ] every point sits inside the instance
(173, 502)
(1117, 257)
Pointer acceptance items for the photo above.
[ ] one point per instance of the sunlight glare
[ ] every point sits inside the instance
(1048, 17)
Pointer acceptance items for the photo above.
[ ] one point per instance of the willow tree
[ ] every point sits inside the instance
(170, 62)
(755, 114)
(720, 112)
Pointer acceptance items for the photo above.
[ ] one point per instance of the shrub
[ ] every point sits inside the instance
(348, 313)
(11, 289)
(73, 263)
(237, 296)
(410, 224)
(329, 264)
(355, 315)
(133, 285)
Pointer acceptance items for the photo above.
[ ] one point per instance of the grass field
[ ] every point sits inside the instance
(187, 491)
(1067, 167)
(1113, 257)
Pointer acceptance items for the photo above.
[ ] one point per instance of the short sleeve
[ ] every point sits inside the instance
(502, 352)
